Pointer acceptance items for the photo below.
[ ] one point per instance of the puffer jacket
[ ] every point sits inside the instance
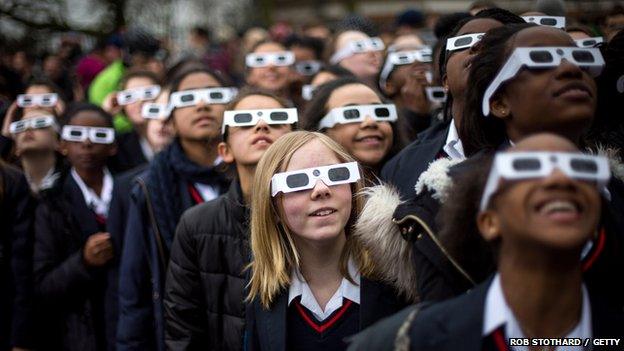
(205, 286)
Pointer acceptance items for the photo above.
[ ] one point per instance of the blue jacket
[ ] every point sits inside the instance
(158, 199)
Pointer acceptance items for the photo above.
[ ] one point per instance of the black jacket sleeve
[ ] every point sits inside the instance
(21, 261)
(58, 278)
(186, 327)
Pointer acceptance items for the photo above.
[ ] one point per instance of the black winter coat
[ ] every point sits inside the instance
(205, 287)
(69, 292)
(17, 208)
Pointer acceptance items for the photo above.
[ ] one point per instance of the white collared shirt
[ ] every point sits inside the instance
(497, 313)
(98, 203)
(146, 148)
(453, 146)
(46, 183)
(348, 290)
(208, 192)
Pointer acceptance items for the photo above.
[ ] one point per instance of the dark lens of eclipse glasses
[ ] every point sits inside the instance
(351, 114)
(243, 117)
(297, 180)
(338, 174)
(278, 116)
(526, 164)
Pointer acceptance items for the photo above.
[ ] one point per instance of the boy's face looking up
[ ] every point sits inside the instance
(86, 155)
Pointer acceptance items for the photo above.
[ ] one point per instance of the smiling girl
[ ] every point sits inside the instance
(311, 282)
(345, 109)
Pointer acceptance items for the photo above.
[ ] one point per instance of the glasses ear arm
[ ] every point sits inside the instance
(509, 70)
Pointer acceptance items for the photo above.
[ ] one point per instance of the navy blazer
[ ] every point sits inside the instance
(266, 329)
(70, 292)
(457, 324)
(403, 169)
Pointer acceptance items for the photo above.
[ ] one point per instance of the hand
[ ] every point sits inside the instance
(413, 92)
(9, 117)
(110, 104)
(98, 250)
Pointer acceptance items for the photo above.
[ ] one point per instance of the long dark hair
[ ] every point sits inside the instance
(477, 132)
(458, 232)
(501, 15)
(316, 110)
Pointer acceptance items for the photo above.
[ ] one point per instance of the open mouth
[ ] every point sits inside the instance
(560, 209)
(323, 212)
(370, 139)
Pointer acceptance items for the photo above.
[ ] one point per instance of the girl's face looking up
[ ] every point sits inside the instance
(561, 100)
(245, 145)
(552, 213)
(318, 215)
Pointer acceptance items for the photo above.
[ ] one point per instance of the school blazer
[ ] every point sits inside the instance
(457, 324)
(266, 329)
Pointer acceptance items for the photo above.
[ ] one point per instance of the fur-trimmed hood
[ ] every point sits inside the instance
(381, 234)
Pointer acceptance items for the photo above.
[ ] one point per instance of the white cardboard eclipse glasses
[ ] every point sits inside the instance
(284, 58)
(356, 47)
(154, 110)
(308, 68)
(400, 58)
(43, 100)
(543, 57)
(129, 96)
(531, 165)
(33, 123)
(588, 42)
(186, 98)
(304, 179)
(463, 41)
(357, 113)
(246, 118)
(550, 21)
(96, 135)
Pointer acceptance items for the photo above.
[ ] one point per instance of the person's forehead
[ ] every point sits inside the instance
(253, 102)
(32, 113)
(137, 82)
(352, 94)
(88, 119)
(542, 36)
(198, 80)
(479, 25)
(269, 47)
(312, 154)
(544, 142)
(38, 89)
(348, 36)
(407, 42)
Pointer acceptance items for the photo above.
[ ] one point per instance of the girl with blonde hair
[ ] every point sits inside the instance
(312, 282)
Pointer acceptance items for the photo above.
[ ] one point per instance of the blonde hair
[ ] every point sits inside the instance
(274, 252)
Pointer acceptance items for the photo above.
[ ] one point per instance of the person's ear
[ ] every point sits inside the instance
(445, 82)
(390, 89)
(489, 225)
(63, 148)
(225, 152)
(499, 106)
